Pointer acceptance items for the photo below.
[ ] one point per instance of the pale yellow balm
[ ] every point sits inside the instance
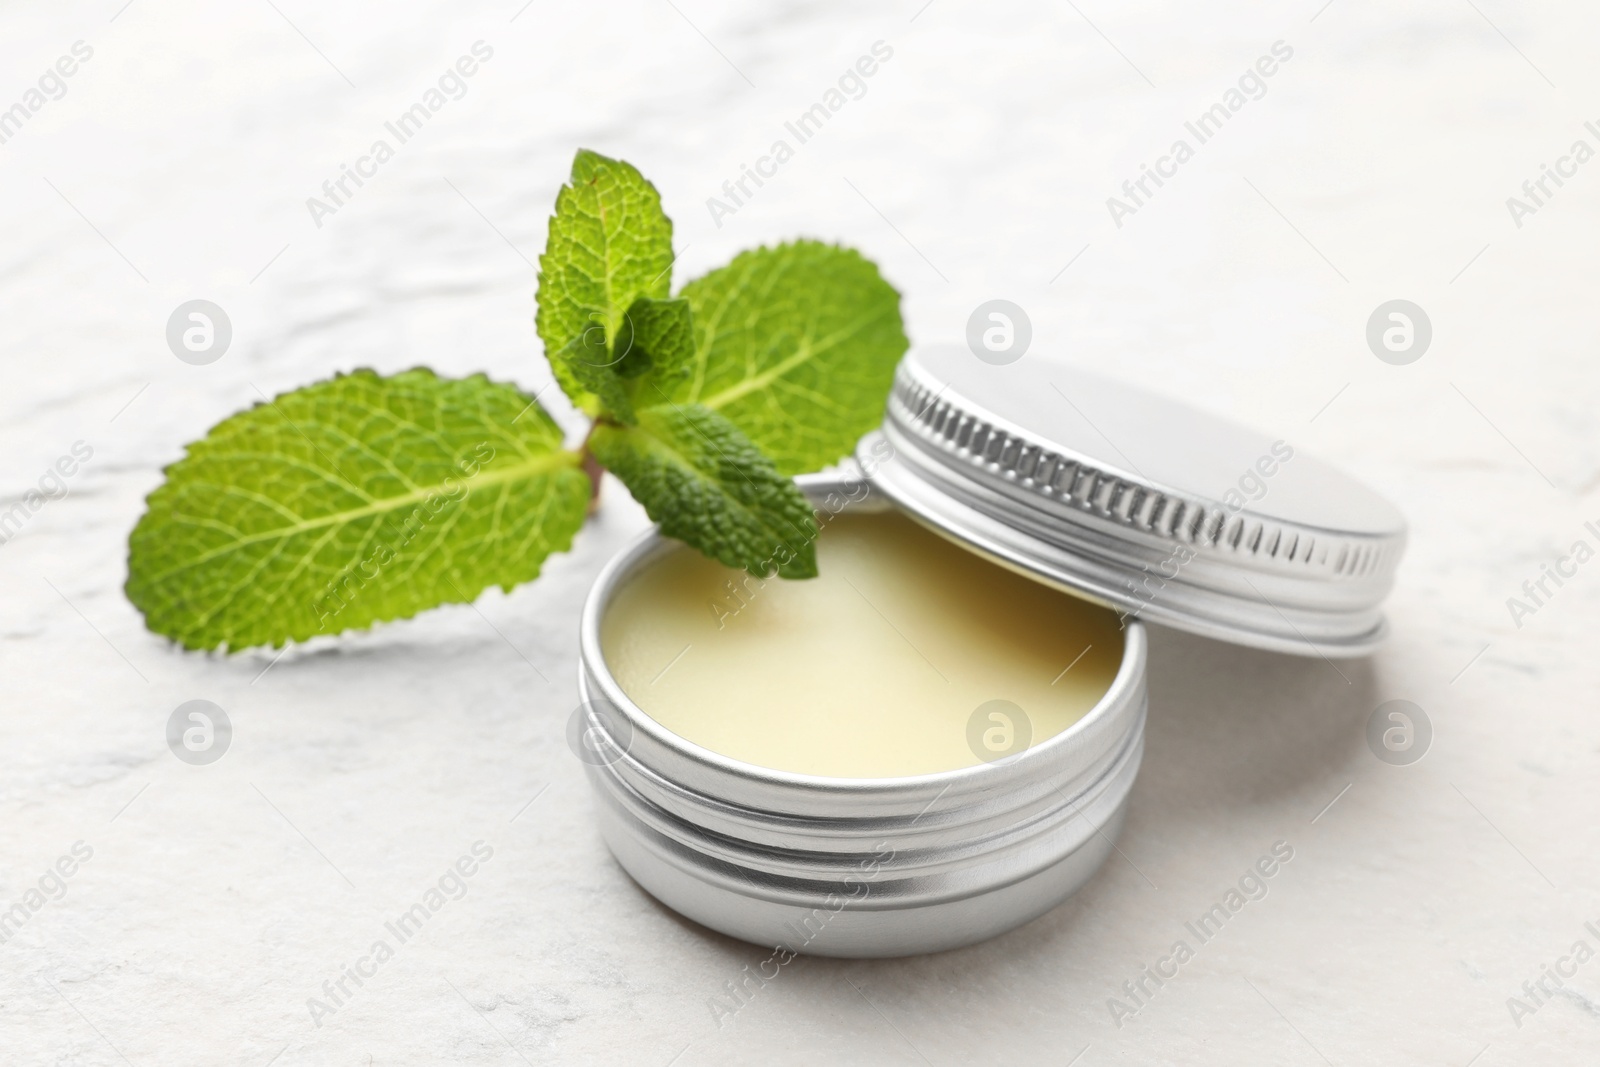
(872, 670)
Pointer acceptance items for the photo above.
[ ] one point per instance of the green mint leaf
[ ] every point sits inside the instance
(704, 482)
(594, 366)
(349, 502)
(609, 244)
(653, 347)
(656, 338)
(797, 346)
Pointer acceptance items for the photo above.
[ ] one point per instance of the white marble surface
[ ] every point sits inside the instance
(218, 899)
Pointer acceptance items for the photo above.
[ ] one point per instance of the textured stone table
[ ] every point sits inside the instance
(177, 163)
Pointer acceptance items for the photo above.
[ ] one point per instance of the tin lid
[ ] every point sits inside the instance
(1160, 510)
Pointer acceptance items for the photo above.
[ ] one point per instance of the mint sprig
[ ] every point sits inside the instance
(368, 498)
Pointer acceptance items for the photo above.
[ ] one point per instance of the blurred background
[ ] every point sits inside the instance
(175, 162)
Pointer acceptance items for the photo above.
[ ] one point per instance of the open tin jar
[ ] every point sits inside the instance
(1102, 491)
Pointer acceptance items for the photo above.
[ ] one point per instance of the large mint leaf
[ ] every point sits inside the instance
(609, 244)
(796, 345)
(352, 501)
(704, 482)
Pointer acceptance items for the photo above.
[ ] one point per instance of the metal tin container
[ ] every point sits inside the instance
(1099, 489)
(845, 866)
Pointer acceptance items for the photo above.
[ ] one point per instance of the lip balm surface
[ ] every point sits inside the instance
(875, 669)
